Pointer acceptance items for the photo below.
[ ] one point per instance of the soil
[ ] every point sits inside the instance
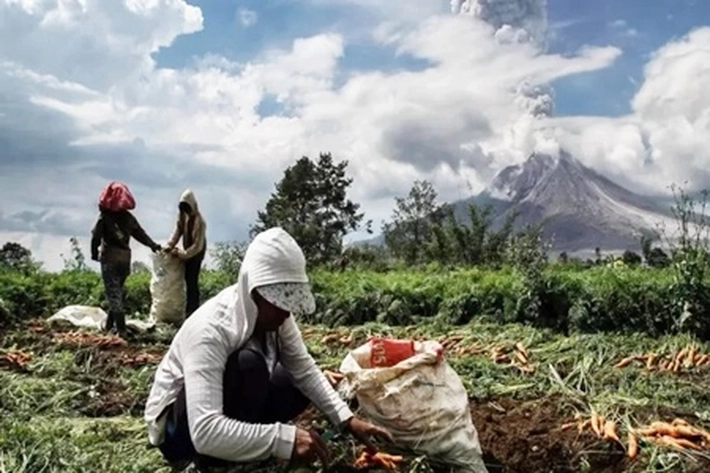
(525, 437)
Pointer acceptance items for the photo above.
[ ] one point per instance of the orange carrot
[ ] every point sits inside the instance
(597, 424)
(650, 361)
(625, 362)
(610, 431)
(520, 356)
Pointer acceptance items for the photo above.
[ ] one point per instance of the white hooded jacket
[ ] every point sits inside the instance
(191, 228)
(198, 355)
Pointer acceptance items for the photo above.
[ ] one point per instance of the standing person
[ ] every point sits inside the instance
(237, 371)
(191, 228)
(111, 234)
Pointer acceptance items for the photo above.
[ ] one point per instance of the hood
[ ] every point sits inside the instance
(189, 198)
(272, 257)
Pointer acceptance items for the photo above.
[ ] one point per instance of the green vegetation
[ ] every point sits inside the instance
(439, 275)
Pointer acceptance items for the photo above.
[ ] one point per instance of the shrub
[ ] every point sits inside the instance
(602, 299)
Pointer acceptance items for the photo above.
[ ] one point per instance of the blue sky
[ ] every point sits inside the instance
(637, 26)
(221, 96)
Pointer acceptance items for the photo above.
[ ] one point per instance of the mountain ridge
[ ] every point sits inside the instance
(582, 209)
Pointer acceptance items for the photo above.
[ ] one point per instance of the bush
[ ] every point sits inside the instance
(602, 299)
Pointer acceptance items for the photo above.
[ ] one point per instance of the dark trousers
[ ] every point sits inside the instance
(192, 284)
(250, 394)
(114, 275)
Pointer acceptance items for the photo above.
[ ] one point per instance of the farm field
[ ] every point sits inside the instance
(73, 403)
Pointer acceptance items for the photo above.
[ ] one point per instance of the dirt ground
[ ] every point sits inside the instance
(525, 437)
(516, 436)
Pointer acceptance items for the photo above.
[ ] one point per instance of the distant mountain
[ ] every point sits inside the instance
(581, 208)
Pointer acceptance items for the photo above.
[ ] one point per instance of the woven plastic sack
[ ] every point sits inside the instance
(419, 399)
(167, 289)
(116, 197)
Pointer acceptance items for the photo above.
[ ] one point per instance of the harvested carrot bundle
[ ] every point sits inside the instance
(379, 459)
(140, 359)
(85, 339)
(16, 360)
(687, 358)
(333, 377)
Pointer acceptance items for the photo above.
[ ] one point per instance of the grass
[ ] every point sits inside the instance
(80, 410)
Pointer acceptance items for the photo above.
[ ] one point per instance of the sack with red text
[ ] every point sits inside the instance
(408, 388)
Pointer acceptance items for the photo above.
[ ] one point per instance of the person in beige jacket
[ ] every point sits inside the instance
(192, 229)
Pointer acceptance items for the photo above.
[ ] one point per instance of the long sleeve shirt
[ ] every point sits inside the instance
(197, 359)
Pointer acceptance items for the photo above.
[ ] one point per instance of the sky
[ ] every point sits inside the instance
(221, 96)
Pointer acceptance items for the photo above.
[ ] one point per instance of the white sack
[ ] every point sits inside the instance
(420, 400)
(167, 289)
(93, 318)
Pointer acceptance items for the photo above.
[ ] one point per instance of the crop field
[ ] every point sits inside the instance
(542, 398)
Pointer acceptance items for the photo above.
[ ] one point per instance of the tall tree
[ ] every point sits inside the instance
(15, 257)
(411, 228)
(311, 204)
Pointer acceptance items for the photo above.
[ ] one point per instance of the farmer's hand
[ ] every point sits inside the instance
(363, 430)
(175, 251)
(309, 446)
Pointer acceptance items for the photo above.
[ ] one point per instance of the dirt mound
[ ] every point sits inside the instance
(525, 437)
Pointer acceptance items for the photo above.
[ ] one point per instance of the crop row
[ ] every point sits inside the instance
(600, 300)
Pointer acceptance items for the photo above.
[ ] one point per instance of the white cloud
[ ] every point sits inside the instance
(247, 17)
(83, 95)
(664, 140)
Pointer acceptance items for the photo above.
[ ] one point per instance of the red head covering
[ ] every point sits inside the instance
(116, 197)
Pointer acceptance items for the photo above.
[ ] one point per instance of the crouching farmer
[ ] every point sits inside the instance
(238, 371)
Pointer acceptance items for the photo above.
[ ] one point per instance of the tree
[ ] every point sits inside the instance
(631, 258)
(311, 204)
(411, 228)
(228, 257)
(15, 257)
(138, 267)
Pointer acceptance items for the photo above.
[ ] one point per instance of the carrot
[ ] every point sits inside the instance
(521, 348)
(347, 341)
(702, 360)
(625, 362)
(521, 356)
(690, 360)
(498, 358)
(633, 449)
(597, 424)
(330, 338)
(679, 421)
(568, 425)
(681, 355)
(680, 444)
(584, 425)
(610, 431)
(650, 361)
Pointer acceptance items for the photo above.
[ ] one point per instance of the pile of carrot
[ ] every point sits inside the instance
(518, 357)
(603, 428)
(379, 459)
(334, 338)
(678, 434)
(15, 360)
(333, 377)
(140, 359)
(688, 357)
(84, 339)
